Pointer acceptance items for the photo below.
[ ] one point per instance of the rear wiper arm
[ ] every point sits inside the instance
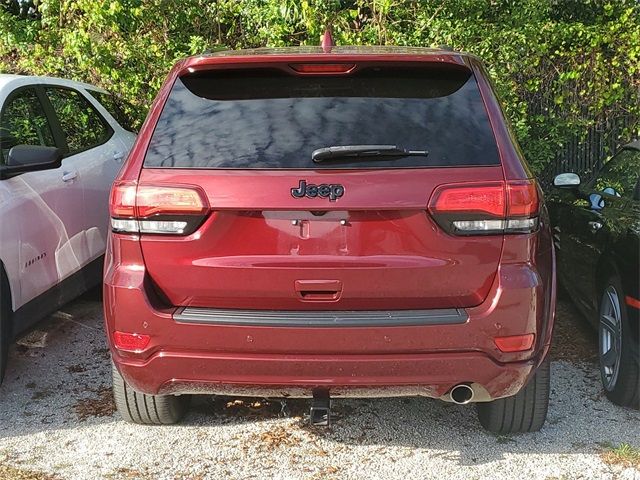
(370, 151)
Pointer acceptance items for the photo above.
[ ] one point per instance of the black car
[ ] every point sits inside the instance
(597, 239)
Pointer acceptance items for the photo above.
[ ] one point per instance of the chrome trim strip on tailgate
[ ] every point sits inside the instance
(360, 318)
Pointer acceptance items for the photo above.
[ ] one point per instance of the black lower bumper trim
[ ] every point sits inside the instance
(326, 318)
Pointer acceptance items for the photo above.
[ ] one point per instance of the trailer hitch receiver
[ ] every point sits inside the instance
(320, 413)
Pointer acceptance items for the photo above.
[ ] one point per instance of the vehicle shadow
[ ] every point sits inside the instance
(580, 418)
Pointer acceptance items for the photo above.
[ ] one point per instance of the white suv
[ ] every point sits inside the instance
(61, 145)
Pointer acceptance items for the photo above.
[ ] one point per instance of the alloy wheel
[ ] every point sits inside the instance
(610, 337)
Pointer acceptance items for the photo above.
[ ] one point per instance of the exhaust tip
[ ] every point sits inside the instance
(461, 394)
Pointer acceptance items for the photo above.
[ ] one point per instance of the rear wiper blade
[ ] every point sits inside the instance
(350, 152)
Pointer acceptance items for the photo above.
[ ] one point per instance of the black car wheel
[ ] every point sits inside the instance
(618, 348)
(135, 407)
(522, 413)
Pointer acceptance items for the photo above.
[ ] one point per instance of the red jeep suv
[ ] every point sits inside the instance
(329, 222)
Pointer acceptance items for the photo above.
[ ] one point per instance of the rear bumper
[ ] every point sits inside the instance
(429, 375)
(363, 360)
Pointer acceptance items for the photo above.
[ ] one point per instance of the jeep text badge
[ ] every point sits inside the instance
(324, 190)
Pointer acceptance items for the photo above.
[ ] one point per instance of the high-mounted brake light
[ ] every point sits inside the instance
(160, 209)
(486, 208)
(322, 67)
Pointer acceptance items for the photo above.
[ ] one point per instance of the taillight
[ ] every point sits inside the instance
(486, 208)
(159, 209)
(522, 199)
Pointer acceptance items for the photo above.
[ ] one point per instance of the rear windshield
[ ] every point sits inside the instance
(271, 119)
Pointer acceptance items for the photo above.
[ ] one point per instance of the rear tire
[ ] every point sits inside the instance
(524, 412)
(5, 322)
(618, 348)
(135, 407)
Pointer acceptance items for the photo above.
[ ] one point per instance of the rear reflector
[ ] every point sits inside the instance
(486, 208)
(515, 343)
(632, 302)
(322, 67)
(131, 342)
(159, 209)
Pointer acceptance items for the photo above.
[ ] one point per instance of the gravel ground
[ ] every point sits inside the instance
(57, 421)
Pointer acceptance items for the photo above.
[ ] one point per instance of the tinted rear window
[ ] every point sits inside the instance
(270, 119)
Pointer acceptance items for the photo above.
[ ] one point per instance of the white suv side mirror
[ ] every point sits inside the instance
(566, 180)
(30, 158)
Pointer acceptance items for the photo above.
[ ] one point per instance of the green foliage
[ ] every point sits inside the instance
(25, 123)
(78, 119)
(560, 66)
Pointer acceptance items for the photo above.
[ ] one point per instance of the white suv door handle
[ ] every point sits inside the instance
(118, 156)
(68, 176)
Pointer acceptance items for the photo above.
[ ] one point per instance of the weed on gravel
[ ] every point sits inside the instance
(278, 436)
(7, 472)
(624, 455)
(129, 474)
(100, 406)
(76, 368)
(10, 471)
(326, 473)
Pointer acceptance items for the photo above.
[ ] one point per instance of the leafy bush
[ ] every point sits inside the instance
(560, 66)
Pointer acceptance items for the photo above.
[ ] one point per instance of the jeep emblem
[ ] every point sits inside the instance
(324, 190)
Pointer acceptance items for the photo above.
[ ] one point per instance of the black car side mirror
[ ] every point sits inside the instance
(30, 158)
(596, 201)
(570, 181)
